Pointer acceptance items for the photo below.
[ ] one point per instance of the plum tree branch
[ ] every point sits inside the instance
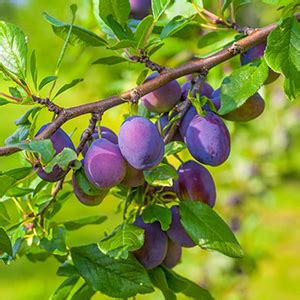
(197, 66)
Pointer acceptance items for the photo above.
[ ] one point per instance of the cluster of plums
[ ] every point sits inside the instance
(110, 160)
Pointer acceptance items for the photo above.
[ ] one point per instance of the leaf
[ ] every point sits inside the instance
(123, 44)
(13, 49)
(141, 78)
(5, 183)
(278, 2)
(118, 9)
(64, 290)
(226, 4)
(3, 101)
(161, 214)
(44, 148)
(283, 51)
(84, 184)
(19, 135)
(46, 81)
(19, 191)
(62, 159)
(158, 278)
(115, 278)
(33, 69)
(120, 32)
(174, 148)
(174, 25)
(208, 230)
(19, 173)
(159, 7)
(216, 39)
(78, 36)
(110, 60)
(143, 31)
(85, 292)
(24, 119)
(242, 84)
(161, 175)
(5, 243)
(66, 269)
(123, 239)
(4, 217)
(55, 241)
(76, 224)
(68, 86)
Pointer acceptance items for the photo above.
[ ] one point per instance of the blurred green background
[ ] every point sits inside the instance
(258, 187)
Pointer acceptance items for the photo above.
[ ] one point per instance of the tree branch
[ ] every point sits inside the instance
(256, 37)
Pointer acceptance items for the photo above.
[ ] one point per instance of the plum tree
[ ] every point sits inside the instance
(164, 98)
(140, 8)
(60, 140)
(195, 183)
(105, 132)
(173, 255)
(176, 232)
(155, 245)
(104, 164)
(133, 177)
(140, 143)
(252, 108)
(208, 139)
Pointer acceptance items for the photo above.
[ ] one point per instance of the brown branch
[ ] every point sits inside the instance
(257, 37)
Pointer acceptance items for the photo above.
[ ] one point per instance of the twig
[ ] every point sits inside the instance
(49, 104)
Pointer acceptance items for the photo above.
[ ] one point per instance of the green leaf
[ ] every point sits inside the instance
(46, 81)
(44, 148)
(13, 49)
(66, 269)
(64, 290)
(226, 4)
(161, 175)
(3, 101)
(143, 31)
(85, 292)
(208, 230)
(123, 239)
(55, 241)
(216, 39)
(19, 135)
(176, 24)
(5, 243)
(118, 9)
(6, 183)
(84, 184)
(76, 224)
(242, 84)
(161, 214)
(279, 2)
(115, 278)
(123, 44)
(19, 191)
(110, 60)
(141, 78)
(120, 32)
(4, 216)
(159, 7)
(283, 52)
(158, 278)
(33, 69)
(24, 119)
(68, 86)
(19, 173)
(78, 36)
(174, 148)
(62, 159)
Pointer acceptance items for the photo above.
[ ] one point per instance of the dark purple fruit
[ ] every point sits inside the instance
(206, 90)
(140, 143)
(133, 177)
(208, 139)
(140, 8)
(186, 120)
(173, 254)
(164, 98)
(176, 232)
(60, 140)
(195, 183)
(155, 245)
(104, 164)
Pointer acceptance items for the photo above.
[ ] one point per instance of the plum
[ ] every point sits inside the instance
(164, 98)
(133, 177)
(195, 183)
(173, 254)
(104, 164)
(60, 140)
(163, 122)
(155, 245)
(186, 120)
(176, 232)
(106, 133)
(208, 139)
(140, 143)
(254, 53)
(140, 8)
(206, 90)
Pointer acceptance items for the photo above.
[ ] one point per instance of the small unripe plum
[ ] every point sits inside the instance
(206, 89)
(155, 245)
(208, 139)
(163, 122)
(88, 200)
(140, 143)
(173, 254)
(164, 98)
(133, 177)
(140, 8)
(106, 133)
(254, 53)
(60, 140)
(195, 183)
(104, 164)
(176, 232)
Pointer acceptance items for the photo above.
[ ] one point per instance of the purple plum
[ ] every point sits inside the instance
(140, 8)
(206, 90)
(133, 177)
(186, 120)
(173, 254)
